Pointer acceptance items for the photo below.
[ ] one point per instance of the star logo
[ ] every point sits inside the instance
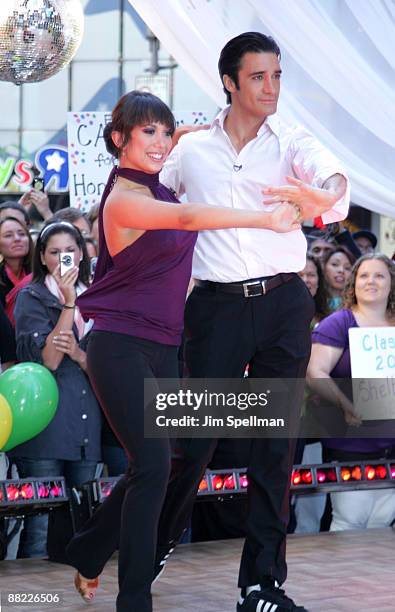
(54, 161)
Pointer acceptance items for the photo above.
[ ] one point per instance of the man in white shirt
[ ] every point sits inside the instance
(248, 305)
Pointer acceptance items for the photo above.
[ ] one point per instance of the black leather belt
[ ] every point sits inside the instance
(249, 288)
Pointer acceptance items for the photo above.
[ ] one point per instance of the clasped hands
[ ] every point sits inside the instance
(309, 202)
(66, 343)
(39, 199)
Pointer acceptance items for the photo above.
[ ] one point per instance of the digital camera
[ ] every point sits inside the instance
(66, 262)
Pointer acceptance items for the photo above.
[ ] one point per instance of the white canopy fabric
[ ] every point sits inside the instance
(338, 59)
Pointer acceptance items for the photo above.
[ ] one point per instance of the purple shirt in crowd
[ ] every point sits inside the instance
(333, 331)
(141, 291)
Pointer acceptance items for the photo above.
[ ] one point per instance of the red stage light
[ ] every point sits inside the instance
(218, 483)
(370, 472)
(356, 473)
(345, 474)
(326, 475)
(27, 491)
(296, 477)
(56, 490)
(381, 472)
(43, 490)
(307, 476)
(392, 469)
(203, 486)
(30, 492)
(12, 492)
(229, 482)
(19, 491)
(378, 472)
(244, 480)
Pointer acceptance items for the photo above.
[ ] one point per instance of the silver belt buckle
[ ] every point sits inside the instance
(261, 284)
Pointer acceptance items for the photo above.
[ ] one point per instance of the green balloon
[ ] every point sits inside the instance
(32, 393)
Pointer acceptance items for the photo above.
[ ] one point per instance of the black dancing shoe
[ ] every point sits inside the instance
(162, 556)
(268, 599)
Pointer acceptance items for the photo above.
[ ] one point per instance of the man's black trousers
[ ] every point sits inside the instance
(225, 332)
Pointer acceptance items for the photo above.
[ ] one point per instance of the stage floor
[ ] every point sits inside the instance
(331, 572)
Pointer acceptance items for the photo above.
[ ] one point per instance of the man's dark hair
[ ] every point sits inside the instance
(232, 54)
(68, 214)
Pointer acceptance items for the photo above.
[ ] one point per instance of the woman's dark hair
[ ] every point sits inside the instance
(136, 108)
(51, 229)
(9, 204)
(338, 249)
(232, 54)
(27, 260)
(321, 297)
(349, 297)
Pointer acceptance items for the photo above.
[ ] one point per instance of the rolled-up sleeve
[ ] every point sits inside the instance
(32, 326)
(314, 164)
(333, 330)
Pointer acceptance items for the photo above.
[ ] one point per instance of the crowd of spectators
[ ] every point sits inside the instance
(352, 287)
(39, 322)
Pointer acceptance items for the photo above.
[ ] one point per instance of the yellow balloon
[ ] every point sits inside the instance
(5, 421)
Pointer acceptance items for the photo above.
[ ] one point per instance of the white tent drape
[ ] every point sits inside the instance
(338, 59)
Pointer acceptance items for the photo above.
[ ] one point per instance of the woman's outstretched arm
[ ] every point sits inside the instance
(129, 209)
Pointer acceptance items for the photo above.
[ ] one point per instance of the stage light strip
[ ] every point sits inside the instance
(305, 479)
(25, 492)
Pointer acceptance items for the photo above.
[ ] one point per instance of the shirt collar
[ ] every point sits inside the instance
(272, 121)
(220, 118)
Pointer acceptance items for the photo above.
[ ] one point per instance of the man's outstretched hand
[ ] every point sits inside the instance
(186, 129)
(310, 201)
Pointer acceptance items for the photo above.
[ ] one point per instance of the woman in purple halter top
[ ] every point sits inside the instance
(137, 301)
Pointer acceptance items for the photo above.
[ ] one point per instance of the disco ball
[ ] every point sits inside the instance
(38, 38)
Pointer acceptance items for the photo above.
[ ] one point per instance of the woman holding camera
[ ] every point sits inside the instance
(49, 329)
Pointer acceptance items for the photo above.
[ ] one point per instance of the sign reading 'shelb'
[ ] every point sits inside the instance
(89, 161)
(372, 351)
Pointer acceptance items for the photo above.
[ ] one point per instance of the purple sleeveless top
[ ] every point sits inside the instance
(141, 291)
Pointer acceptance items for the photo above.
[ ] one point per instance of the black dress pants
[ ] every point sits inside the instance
(225, 332)
(128, 518)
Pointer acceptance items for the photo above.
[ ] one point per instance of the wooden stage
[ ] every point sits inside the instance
(329, 572)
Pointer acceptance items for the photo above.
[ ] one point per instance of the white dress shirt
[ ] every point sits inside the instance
(206, 167)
